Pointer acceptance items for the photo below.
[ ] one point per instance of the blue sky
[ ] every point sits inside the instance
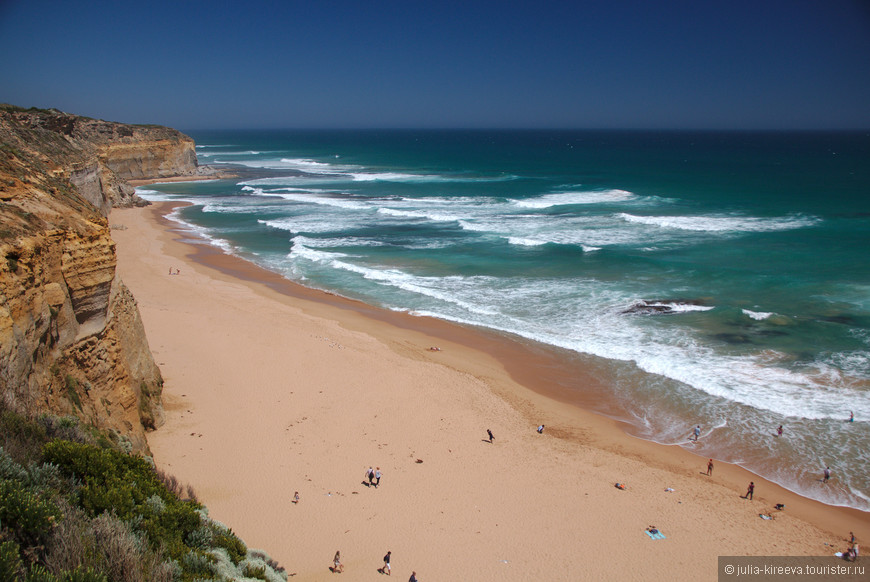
(699, 64)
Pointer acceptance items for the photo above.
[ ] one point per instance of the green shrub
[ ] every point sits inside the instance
(10, 561)
(20, 437)
(44, 477)
(83, 575)
(40, 574)
(197, 564)
(128, 487)
(202, 538)
(226, 539)
(252, 571)
(11, 470)
(30, 517)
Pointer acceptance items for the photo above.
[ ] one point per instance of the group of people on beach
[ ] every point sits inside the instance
(851, 553)
(338, 567)
(696, 433)
(374, 477)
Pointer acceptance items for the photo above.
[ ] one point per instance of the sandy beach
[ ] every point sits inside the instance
(271, 388)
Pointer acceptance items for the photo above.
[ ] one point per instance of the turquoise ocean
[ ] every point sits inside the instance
(720, 279)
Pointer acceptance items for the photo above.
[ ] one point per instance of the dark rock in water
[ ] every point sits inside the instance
(770, 333)
(843, 319)
(662, 306)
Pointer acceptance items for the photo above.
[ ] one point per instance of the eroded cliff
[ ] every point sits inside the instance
(71, 340)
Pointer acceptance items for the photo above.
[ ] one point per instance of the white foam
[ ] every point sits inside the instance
(305, 224)
(721, 223)
(323, 199)
(201, 233)
(680, 307)
(436, 216)
(152, 195)
(333, 242)
(758, 315)
(525, 242)
(223, 153)
(571, 198)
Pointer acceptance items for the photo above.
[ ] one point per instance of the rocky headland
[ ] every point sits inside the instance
(71, 339)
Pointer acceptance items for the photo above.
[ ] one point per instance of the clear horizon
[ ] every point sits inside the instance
(479, 64)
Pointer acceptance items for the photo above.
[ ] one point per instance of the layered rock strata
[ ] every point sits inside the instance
(71, 339)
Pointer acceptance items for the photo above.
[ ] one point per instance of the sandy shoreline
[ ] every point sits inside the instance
(272, 388)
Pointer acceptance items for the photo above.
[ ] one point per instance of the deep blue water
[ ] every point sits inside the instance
(714, 278)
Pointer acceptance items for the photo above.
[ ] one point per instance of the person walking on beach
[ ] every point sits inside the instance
(413, 577)
(336, 563)
(750, 491)
(827, 475)
(370, 475)
(697, 432)
(386, 568)
(489, 432)
(710, 467)
(377, 477)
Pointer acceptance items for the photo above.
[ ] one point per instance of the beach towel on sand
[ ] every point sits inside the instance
(656, 536)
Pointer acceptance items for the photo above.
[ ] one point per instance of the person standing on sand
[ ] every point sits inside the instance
(750, 491)
(541, 429)
(386, 568)
(413, 577)
(370, 475)
(336, 563)
(827, 475)
(489, 432)
(296, 497)
(710, 467)
(377, 477)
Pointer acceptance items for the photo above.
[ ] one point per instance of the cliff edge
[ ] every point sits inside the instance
(71, 339)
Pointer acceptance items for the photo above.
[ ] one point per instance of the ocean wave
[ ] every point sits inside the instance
(758, 315)
(198, 232)
(157, 196)
(428, 215)
(305, 224)
(224, 153)
(571, 198)
(722, 223)
(339, 241)
(375, 176)
(321, 198)
(525, 242)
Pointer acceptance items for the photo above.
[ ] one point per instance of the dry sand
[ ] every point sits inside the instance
(271, 388)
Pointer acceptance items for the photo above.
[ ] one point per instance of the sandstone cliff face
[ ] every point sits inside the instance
(96, 156)
(71, 340)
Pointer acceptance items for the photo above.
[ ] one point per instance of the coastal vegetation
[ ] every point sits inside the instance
(75, 506)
